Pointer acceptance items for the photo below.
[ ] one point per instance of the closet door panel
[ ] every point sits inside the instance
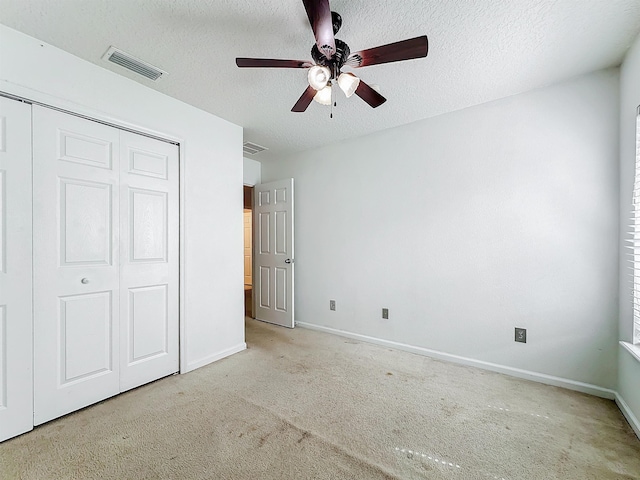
(149, 260)
(76, 271)
(16, 367)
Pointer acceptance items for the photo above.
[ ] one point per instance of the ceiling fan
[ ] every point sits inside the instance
(331, 54)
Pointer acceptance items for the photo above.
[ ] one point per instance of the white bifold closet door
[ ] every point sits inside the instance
(105, 261)
(148, 259)
(16, 388)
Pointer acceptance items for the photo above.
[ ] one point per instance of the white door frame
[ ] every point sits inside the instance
(253, 291)
(35, 97)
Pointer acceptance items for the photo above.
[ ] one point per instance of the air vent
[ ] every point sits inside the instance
(252, 148)
(131, 63)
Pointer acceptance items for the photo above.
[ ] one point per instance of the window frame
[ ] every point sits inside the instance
(635, 241)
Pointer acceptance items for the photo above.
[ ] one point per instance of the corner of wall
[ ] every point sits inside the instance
(252, 171)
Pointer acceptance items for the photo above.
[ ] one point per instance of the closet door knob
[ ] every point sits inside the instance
(84, 281)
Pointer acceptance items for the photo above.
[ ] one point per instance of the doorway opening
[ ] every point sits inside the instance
(248, 251)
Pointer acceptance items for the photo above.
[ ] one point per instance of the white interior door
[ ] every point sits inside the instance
(76, 230)
(273, 252)
(148, 260)
(16, 374)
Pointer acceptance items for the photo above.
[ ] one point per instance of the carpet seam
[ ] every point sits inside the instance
(338, 447)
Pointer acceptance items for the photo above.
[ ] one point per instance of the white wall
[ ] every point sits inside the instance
(629, 378)
(211, 151)
(252, 172)
(469, 224)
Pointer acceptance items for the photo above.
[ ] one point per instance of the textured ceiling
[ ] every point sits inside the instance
(480, 50)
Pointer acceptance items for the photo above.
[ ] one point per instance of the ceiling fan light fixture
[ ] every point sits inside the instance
(318, 77)
(323, 96)
(348, 83)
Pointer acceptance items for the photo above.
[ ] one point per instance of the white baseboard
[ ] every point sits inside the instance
(514, 372)
(215, 357)
(628, 414)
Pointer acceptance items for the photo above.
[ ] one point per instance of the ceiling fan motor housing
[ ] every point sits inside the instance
(336, 61)
(336, 20)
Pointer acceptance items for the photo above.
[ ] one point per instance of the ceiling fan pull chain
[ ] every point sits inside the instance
(332, 102)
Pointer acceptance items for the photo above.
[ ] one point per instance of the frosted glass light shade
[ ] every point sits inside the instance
(323, 96)
(348, 83)
(318, 77)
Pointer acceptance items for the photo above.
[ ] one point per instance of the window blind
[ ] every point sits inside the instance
(635, 239)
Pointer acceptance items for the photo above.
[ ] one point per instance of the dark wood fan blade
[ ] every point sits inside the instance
(369, 95)
(272, 63)
(304, 100)
(394, 52)
(319, 13)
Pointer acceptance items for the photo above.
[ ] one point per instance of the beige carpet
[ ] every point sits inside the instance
(300, 404)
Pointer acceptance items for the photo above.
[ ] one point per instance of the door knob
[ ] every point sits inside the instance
(84, 281)
(288, 260)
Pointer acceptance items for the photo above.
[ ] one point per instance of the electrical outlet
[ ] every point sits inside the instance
(332, 305)
(385, 313)
(521, 335)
